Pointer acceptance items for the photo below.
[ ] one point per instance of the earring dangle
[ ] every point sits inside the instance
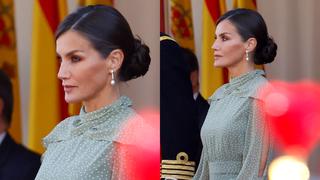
(113, 81)
(247, 55)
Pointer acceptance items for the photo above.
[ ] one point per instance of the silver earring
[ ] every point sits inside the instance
(113, 81)
(247, 55)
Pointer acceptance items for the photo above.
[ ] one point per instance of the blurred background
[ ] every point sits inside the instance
(293, 24)
(28, 56)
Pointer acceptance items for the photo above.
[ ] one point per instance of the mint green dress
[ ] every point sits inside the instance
(83, 147)
(234, 135)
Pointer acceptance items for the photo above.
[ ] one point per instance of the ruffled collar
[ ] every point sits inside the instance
(102, 124)
(104, 115)
(243, 86)
(243, 79)
(107, 111)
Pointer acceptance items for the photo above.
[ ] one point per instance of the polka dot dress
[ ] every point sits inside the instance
(232, 134)
(83, 147)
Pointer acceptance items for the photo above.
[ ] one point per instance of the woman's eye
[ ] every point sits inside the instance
(59, 59)
(224, 38)
(75, 58)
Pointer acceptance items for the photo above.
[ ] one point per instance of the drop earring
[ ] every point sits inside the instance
(113, 81)
(247, 55)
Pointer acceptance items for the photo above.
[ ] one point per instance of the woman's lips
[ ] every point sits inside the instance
(68, 88)
(217, 56)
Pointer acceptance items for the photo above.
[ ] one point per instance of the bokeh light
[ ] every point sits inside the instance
(293, 112)
(288, 168)
(142, 136)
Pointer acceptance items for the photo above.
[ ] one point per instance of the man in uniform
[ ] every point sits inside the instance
(179, 135)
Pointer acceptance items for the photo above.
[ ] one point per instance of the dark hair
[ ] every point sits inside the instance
(250, 24)
(107, 29)
(6, 96)
(191, 59)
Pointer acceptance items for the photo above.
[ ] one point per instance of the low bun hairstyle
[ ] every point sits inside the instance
(138, 64)
(107, 30)
(266, 53)
(250, 24)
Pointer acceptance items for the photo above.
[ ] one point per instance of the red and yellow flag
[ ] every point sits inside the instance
(8, 60)
(211, 77)
(47, 105)
(181, 25)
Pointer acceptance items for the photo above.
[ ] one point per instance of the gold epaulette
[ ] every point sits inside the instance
(180, 168)
(166, 38)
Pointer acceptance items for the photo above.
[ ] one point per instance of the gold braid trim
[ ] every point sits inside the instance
(180, 168)
(166, 38)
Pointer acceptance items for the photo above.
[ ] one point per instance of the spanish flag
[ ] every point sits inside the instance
(211, 77)
(8, 61)
(47, 104)
(181, 26)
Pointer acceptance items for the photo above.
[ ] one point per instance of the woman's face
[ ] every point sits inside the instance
(229, 49)
(84, 72)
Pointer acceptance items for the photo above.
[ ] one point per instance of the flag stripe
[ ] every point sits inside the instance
(52, 14)
(45, 100)
(162, 28)
(214, 9)
(211, 77)
(50, 10)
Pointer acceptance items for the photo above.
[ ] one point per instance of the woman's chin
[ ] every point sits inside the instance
(217, 65)
(72, 100)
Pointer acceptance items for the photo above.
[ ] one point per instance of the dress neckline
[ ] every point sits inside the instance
(243, 79)
(237, 82)
(106, 111)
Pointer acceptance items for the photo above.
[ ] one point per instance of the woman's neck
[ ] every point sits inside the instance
(240, 69)
(103, 98)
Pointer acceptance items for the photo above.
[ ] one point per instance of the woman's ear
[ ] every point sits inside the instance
(251, 44)
(115, 59)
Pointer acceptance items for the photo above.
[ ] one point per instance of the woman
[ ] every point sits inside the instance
(235, 139)
(97, 51)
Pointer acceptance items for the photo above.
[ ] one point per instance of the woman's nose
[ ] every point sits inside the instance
(63, 72)
(215, 45)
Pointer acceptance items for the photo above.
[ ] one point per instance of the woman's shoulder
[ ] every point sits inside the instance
(254, 88)
(61, 131)
(218, 94)
(251, 88)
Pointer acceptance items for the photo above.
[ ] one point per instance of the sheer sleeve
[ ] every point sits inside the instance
(121, 160)
(134, 153)
(203, 168)
(256, 154)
